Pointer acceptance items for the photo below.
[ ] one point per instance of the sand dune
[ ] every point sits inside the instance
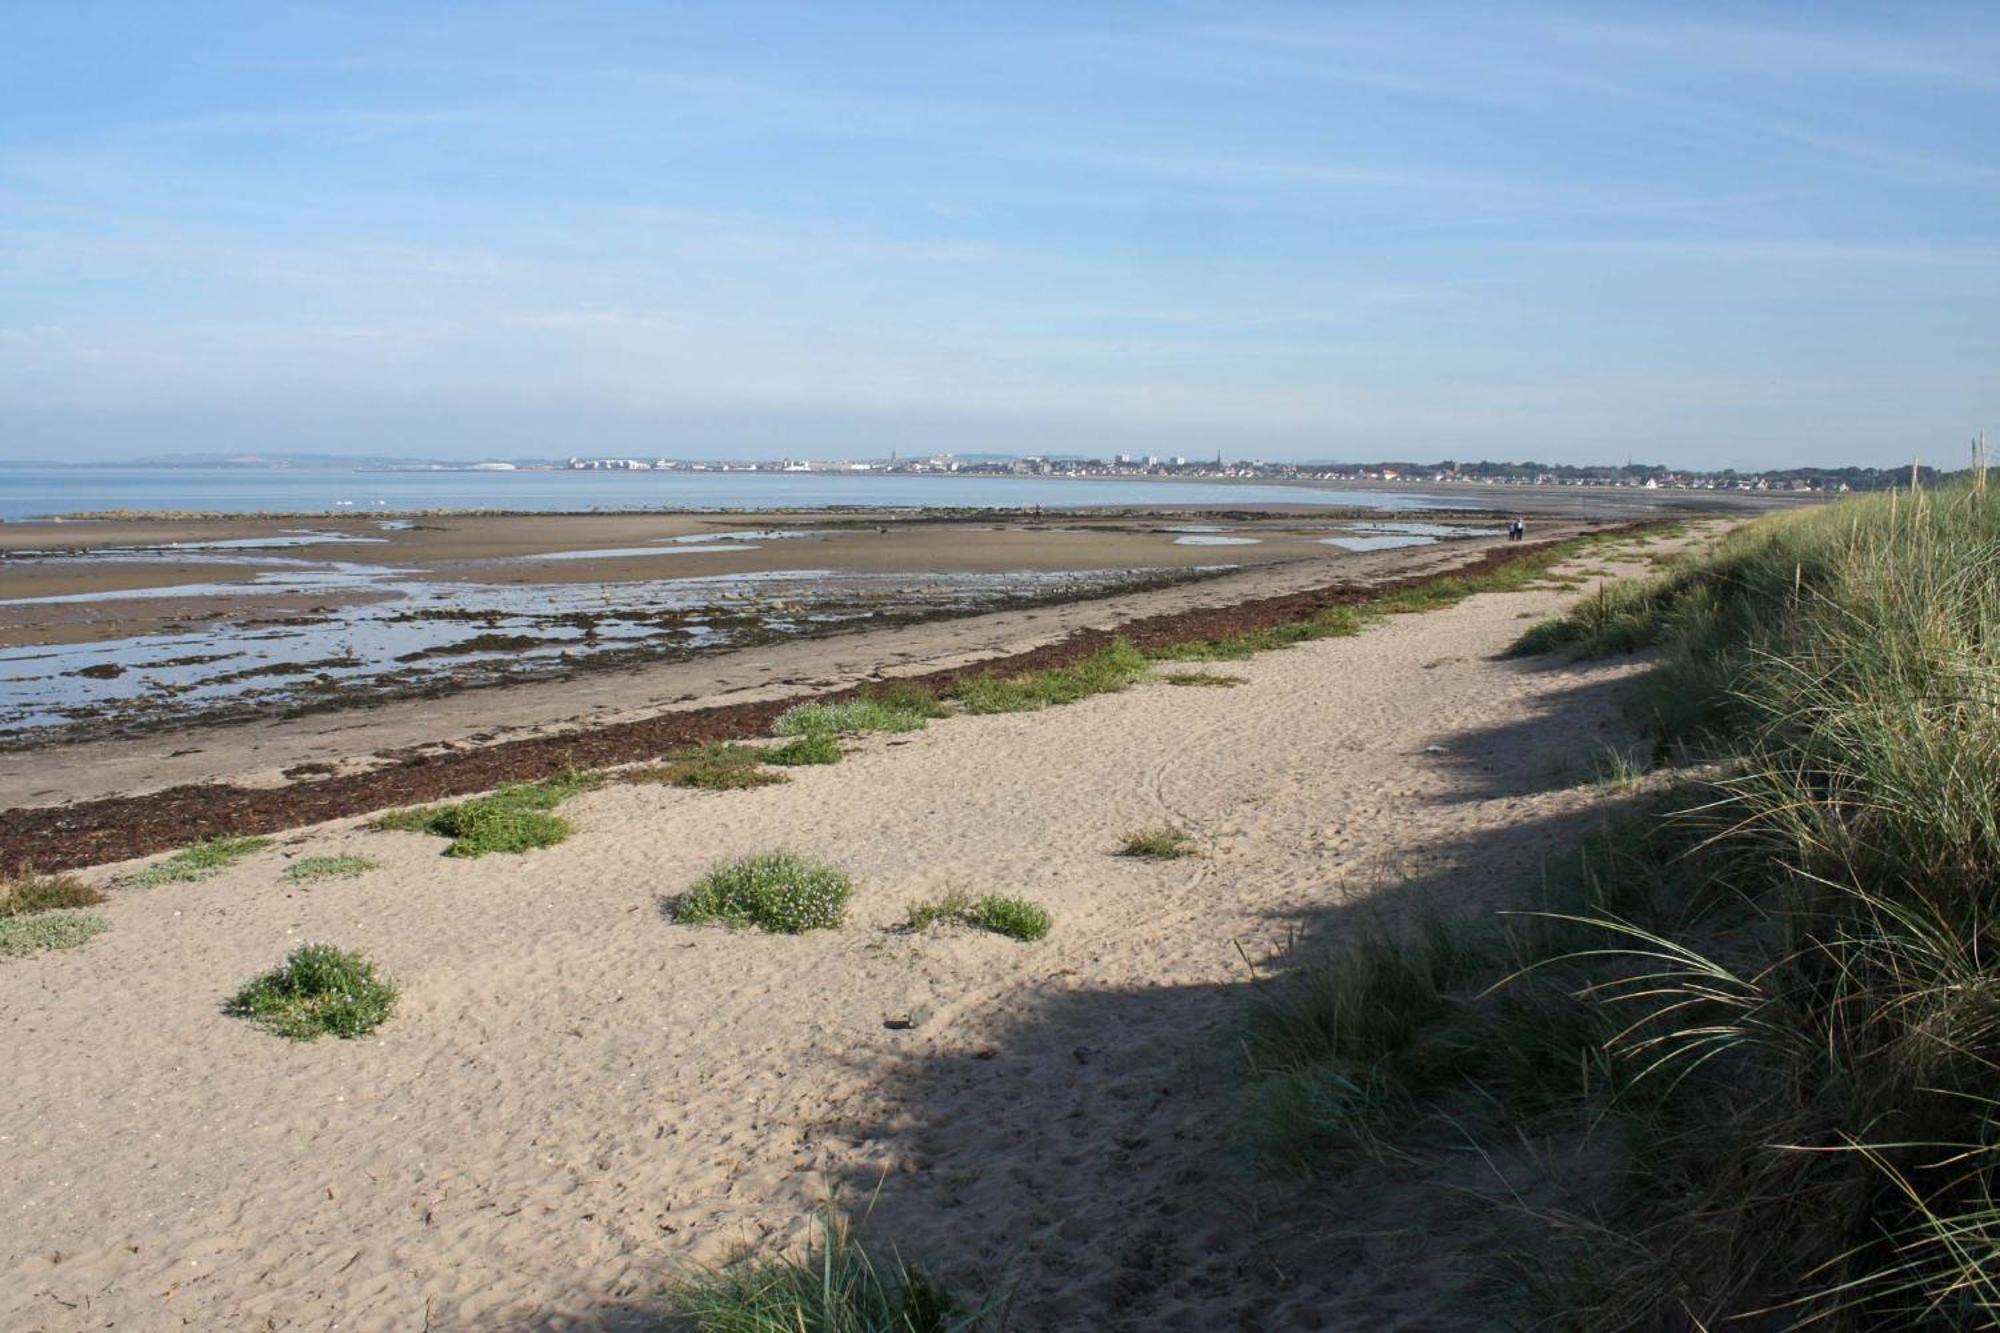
(576, 1094)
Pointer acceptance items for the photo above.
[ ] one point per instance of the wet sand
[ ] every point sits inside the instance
(365, 739)
(132, 625)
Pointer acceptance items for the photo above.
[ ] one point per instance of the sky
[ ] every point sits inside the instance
(1704, 235)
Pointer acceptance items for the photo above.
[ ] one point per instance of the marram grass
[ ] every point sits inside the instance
(1765, 1018)
(835, 1286)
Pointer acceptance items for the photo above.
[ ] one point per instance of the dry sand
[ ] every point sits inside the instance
(576, 1095)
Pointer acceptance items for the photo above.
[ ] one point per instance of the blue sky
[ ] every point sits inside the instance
(1704, 235)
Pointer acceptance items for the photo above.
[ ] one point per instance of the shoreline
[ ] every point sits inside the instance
(122, 628)
(121, 827)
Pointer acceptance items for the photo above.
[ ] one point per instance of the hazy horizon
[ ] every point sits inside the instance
(1704, 235)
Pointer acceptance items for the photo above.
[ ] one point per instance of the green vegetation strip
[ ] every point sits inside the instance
(1751, 1026)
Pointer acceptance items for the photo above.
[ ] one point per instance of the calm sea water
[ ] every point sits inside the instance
(28, 492)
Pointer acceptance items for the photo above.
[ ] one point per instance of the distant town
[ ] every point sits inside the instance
(1639, 475)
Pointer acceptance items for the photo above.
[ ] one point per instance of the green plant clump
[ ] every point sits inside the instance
(1165, 843)
(773, 891)
(513, 819)
(311, 868)
(851, 716)
(1016, 918)
(834, 1287)
(720, 766)
(318, 991)
(817, 747)
(48, 930)
(195, 863)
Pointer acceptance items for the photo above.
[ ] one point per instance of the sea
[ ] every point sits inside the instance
(32, 492)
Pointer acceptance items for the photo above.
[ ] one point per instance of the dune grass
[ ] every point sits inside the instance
(317, 991)
(1165, 843)
(29, 894)
(1016, 918)
(1759, 1023)
(514, 819)
(719, 766)
(194, 863)
(1103, 672)
(48, 930)
(311, 869)
(772, 891)
(835, 1286)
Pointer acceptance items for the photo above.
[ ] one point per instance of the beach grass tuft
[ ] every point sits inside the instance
(194, 863)
(47, 931)
(513, 819)
(772, 891)
(1202, 678)
(818, 747)
(311, 869)
(1016, 918)
(1165, 843)
(30, 894)
(851, 716)
(318, 991)
(835, 1286)
(907, 696)
(719, 766)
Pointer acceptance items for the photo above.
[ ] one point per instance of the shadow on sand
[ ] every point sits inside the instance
(1078, 1146)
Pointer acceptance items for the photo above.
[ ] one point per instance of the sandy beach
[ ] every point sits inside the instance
(578, 1095)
